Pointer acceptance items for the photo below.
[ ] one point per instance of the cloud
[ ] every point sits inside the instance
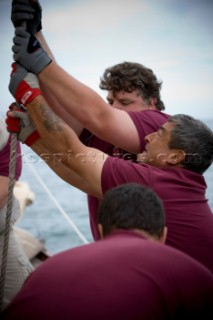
(92, 16)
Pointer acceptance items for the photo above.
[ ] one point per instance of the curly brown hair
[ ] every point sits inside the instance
(130, 76)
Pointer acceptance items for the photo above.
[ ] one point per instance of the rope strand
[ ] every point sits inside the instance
(12, 168)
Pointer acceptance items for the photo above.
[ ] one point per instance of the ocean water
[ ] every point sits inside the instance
(44, 218)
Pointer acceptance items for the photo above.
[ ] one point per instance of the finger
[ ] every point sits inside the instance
(13, 106)
(18, 40)
(17, 114)
(13, 129)
(15, 56)
(23, 9)
(14, 48)
(13, 124)
(22, 16)
(10, 114)
(12, 121)
(21, 32)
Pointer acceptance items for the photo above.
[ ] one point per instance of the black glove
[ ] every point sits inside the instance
(29, 11)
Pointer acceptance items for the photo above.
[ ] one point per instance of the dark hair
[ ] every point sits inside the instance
(132, 206)
(130, 76)
(195, 139)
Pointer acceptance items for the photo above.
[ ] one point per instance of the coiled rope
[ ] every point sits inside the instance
(12, 167)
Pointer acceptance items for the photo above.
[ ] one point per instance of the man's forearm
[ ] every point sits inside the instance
(60, 110)
(54, 161)
(59, 138)
(56, 106)
(51, 128)
(79, 100)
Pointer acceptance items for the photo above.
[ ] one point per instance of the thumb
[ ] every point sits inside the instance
(17, 114)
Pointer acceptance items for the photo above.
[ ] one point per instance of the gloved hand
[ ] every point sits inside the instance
(28, 51)
(18, 121)
(23, 86)
(29, 11)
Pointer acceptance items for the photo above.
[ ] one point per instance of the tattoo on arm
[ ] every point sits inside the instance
(51, 121)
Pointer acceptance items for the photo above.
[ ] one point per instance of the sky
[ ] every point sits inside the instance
(172, 37)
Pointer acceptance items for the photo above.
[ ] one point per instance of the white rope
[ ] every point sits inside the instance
(64, 214)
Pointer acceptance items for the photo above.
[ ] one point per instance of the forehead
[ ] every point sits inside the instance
(167, 127)
(124, 95)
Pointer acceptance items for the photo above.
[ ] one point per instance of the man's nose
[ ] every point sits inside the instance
(148, 137)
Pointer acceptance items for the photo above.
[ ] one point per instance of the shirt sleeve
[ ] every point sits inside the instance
(146, 122)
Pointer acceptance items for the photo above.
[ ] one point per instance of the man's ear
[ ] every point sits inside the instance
(176, 157)
(162, 238)
(100, 230)
(153, 103)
